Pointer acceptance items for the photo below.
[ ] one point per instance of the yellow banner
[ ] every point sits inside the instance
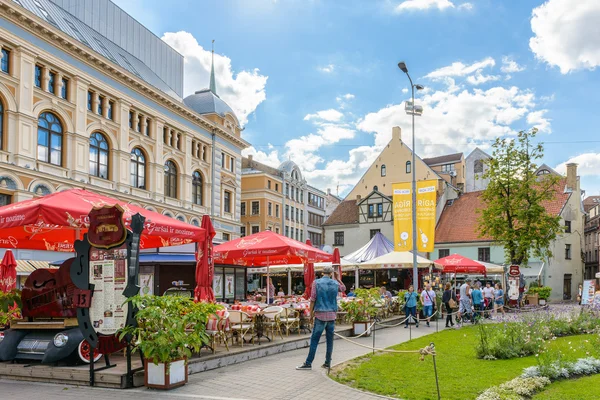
(426, 212)
(402, 198)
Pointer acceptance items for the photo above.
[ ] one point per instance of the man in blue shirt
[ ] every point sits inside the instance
(410, 304)
(477, 297)
(323, 307)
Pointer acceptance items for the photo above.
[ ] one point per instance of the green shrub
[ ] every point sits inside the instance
(542, 291)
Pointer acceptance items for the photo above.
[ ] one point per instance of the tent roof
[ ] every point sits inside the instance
(377, 246)
(455, 263)
(397, 259)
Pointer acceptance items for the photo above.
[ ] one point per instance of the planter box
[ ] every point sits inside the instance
(165, 375)
(360, 327)
(542, 302)
(532, 299)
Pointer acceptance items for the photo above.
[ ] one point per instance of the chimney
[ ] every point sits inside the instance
(250, 157)
(328, 192)
(358, 197)
(397, 133)
(572, 176)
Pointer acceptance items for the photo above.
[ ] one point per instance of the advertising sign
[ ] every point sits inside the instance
(589, 289)
(108, 274)
(146, 284)
(229, 286)
(106, 227)
(402, 198)
(426, 215)
(426, 212)
(218, 285)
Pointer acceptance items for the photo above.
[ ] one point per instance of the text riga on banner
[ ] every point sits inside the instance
(426, 215)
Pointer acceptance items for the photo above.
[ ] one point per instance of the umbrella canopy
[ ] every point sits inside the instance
(337, 263)
(8, 272)
(377, 246)
(205, 269)
(55, 221)
(457, 264)
(267, 248)
(309, 274)
(397, 259)
(492, 269)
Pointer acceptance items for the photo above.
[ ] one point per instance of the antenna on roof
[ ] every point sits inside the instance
(337, 190)
(213, 85)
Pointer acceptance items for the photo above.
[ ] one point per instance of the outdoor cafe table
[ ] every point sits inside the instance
(258, 319)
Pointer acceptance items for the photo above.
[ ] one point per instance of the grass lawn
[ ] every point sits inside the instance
(571, 389)
(461, 374)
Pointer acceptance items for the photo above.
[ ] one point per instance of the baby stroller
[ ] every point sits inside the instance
(488, 307)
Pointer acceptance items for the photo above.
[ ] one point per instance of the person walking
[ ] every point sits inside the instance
(428, 301)
(323, 308)
(477, 298)
(488, 297)
(499, 299)
(271, 291)
(410, 305)
(446, 297)
(464, 304)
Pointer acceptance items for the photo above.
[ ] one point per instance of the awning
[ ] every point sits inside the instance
(533, 270)
(26, 267)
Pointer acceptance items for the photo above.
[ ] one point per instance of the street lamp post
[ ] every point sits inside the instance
(413, 111)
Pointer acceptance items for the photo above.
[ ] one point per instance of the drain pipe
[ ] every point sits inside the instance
(212, 175)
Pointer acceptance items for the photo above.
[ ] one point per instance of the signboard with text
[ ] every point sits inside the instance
(426, 215)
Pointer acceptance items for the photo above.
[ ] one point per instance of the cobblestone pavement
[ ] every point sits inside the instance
(272, 377)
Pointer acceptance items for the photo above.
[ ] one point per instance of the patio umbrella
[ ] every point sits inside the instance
(55, 221)
(8, 272)
(265, 249)
(309, 275)
(457, 264)
(205, 268)
(398, 260)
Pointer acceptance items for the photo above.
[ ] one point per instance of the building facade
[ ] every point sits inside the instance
(80, 108)
(315, 215)
(332, 201)
(592, 240)
(450, 167)
(262, 198)
(356, 220)
(457, 232)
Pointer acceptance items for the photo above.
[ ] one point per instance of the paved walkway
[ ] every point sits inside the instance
(269, 378)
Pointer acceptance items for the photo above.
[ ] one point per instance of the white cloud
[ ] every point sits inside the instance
(589, 164)
(404, 90)
(424, 5)
(465, 6)
(479, 78)
(536, 119)
(329, 68)
(566, 34)
(330, 115)
(243, 92)
(344, 100)
(460, 69)
(271, 158)
(510, 66)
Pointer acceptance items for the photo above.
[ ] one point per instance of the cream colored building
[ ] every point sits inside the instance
(96, 108)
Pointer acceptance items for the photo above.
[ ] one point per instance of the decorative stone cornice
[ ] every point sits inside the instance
(36, 25)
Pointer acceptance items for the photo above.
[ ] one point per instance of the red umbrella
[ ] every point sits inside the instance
(267, 248)
(55, 221)
(205, 268)
(456, 263)
(309, 274)
(8, 272)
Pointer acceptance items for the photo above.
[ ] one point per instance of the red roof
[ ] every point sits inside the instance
(459, 221)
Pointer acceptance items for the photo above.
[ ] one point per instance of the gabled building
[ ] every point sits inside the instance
(450, 167)
(592, 239)
(475, 168)
(367, 208)
(457, 232)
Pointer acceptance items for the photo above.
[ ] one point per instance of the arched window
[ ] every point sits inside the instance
(478, 167)
(98, 155)
(180, 218)
(138, 168)
(375, 187)
(197, 188)
(383, 170)
(50, 135)
(195, 222)
(543, 172)
(1, 126)
(170, 179)
(408, 167)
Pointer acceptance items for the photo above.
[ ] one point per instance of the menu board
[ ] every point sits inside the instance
(229, 286)
(108, 274)
(589, 289)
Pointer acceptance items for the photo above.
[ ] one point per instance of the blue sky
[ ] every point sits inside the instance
(317, 81)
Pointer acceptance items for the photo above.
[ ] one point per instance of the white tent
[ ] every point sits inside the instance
(492, 269)
(397, 260)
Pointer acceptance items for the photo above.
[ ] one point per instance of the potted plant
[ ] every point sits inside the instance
(169, 329)
(10, 303)
(543, 293)
(362, 309)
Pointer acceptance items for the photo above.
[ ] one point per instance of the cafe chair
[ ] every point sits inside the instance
(240, 324)
(272, 320)
(216, 328)
(290, 319)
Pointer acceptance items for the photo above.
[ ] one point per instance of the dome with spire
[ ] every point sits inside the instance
(207, 101)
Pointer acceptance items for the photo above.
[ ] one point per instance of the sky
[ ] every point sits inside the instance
(317, 81)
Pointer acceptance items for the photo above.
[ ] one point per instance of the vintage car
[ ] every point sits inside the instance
(48, 331)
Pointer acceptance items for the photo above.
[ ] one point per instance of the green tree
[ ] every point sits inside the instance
(513, 213)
